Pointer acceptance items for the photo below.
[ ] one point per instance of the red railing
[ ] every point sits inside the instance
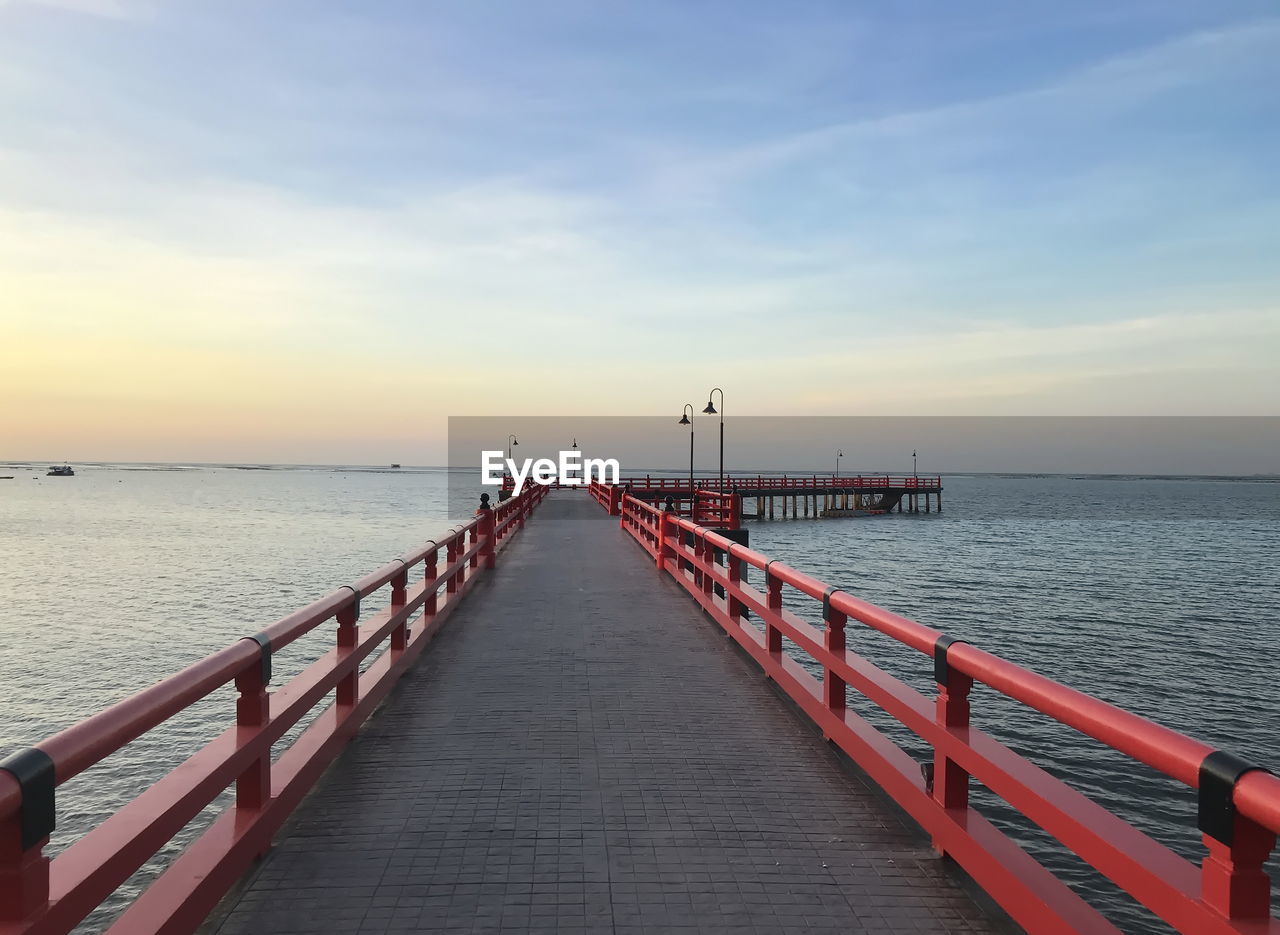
(608, 496)
(713, 508)
(1239, 811)
(42, 896)
(769, 482)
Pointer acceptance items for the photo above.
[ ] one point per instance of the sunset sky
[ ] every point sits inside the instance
(311, 231)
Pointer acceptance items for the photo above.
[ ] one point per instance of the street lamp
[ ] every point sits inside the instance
(711, 411)
(685, 420)
(839, 455)
(511, 440)
(913, 462)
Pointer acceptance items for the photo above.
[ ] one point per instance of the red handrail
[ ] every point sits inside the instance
(1229, 893)
(39, 895)
(783, 482)
(713, 508)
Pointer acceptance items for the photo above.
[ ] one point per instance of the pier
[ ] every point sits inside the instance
(780, 495)
(587, 713)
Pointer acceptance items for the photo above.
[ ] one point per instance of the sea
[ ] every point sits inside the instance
(1155, 593)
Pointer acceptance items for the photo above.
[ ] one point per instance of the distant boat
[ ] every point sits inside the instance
(64, 471)
(395, 465)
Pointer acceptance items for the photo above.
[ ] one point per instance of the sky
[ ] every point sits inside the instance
(312, 231)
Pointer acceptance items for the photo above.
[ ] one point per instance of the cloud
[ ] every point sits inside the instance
(321, 260)
(109, 9)
(1092, 92)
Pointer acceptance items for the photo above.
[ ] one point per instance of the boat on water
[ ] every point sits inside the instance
(395, 465)
(63, 471)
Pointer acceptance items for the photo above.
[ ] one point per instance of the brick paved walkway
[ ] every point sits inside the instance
(581, 751)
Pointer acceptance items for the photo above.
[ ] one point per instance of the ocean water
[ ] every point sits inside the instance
(1157, 594)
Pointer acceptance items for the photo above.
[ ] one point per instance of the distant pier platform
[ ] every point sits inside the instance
(769, 496)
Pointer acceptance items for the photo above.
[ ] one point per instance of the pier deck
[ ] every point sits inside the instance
(582, 751)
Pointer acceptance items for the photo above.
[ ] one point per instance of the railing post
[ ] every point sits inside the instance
(472, 538)
(431, 570)
(773, 635)
(399, 597)
(1232, 881)
(452, 552)
(253, 710)
(950, 781)
(735, 578)
(485, 529)
(833, 686)
(663, 521)
(24, 870)
(706, 561)
(349, 686)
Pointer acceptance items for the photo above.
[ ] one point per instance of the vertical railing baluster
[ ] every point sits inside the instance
(484, 529)
(349, 685)
(834, 695)
(735, 581)
(1232, 879)
(253, 711)
(24, 870)
(451, 556)
(431, 570)
(400, 597)
(706, 563)
(950, 780)
(773, 635)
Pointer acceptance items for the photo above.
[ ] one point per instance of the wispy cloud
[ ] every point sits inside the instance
(832, 223)
(111, 9)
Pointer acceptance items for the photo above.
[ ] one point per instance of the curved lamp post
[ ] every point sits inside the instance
(839, 455)
(686, 420)
(711, 411)
(511, 441)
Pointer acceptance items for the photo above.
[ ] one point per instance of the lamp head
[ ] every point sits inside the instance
(684, 419)
(711, 409)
